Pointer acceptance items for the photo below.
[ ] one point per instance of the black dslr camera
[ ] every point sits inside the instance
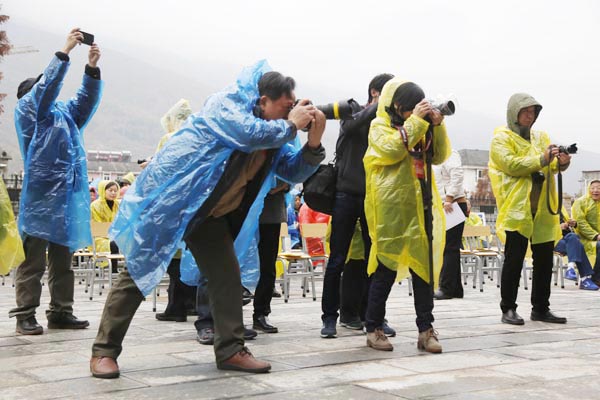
(572, 149)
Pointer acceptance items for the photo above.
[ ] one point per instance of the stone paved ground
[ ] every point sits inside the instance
(483, 359)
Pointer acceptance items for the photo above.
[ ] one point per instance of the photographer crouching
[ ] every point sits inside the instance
(520, 161)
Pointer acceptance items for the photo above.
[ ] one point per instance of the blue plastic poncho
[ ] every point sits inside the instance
(159, 205)
(55, 199)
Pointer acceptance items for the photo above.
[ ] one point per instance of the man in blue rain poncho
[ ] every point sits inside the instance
(54, 212)
(206, 187)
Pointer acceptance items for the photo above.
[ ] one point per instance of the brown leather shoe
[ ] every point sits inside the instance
(104, 367)
(428, 341)
(244, 361)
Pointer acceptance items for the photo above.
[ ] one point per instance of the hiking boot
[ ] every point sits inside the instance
(328, 330)
(29, 326)
(429, 342)
(244, 361)
(377, 340)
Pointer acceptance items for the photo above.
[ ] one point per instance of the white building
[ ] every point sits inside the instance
(586, 178)
(475, 166)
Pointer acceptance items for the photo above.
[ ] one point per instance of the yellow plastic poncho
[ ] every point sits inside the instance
(512, 161)
(171, 122)
(11, 247)
(393, 201)
(356, 251)
(101, 212)
(173, 119)
(586, 211)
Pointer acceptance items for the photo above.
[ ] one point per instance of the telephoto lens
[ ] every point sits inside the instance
(343, 109)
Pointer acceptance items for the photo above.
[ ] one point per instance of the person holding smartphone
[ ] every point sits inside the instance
(54, 212)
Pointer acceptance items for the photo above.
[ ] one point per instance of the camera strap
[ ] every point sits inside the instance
(417, 153)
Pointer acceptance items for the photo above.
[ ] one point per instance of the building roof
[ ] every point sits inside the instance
(112, 166)
(474, 158)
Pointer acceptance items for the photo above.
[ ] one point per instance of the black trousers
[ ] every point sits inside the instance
(450, 276)
(514, 250)
(354, 291)
(347, 209)
(181, 296)
(381, 284)
(268, 247)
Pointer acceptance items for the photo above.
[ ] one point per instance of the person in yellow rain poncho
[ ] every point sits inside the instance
(520, 161)
(586, 211)
(181, 297)
(394, 206)
(104, 209)
(11, 247)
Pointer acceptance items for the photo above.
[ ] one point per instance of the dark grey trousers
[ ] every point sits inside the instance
(28, 278)
(211, 244)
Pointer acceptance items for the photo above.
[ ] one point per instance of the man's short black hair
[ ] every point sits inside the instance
(377, 83)
(274, 85)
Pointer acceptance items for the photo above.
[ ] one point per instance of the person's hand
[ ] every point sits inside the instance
(564, 226)
(551, 151)
(448, 207)
(73, 39)
(563, 158)
(316, 130)
(572, 223)
(436, 117)
(422, 109)
(302, 114)
(94, 55)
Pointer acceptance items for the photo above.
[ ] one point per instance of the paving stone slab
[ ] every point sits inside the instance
(345, 392)
(75, 388)
(427, 363)
(420, 386)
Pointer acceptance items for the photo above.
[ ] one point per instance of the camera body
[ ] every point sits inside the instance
(445, 107)
(571, 149)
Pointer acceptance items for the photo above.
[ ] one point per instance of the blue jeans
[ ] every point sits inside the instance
(346, 210)
(572, 247)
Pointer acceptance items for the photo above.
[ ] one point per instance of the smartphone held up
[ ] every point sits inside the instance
(88, 38)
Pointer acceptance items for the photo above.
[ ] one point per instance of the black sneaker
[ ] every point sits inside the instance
(66, 321)
(355, 324)
(206, 336)
(29, 326)
(328, 330)
(171, 317)
(249, 334)
(388, 330)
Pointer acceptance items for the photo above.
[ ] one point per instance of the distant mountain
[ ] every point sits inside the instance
(138, 93)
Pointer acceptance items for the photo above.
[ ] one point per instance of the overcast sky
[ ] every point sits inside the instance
(479, 51)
